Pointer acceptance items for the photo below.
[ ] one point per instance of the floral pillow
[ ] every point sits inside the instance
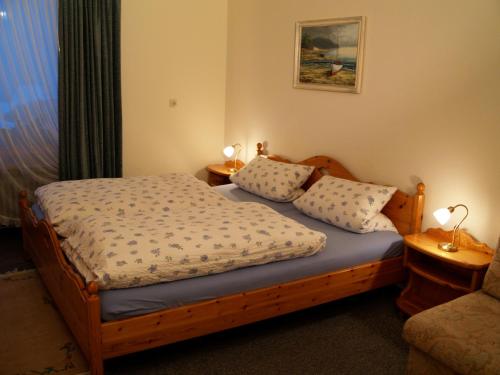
(273, 180)
(381, 223)
(346, 204)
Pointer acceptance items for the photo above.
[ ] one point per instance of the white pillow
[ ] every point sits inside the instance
(346, 204)
(273, 180)
(381, 223)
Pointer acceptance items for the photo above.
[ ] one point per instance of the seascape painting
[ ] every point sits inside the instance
(329, 54)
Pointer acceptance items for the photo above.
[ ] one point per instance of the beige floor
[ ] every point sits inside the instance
(35, 340)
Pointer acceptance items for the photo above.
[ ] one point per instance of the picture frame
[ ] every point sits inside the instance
(329, 54)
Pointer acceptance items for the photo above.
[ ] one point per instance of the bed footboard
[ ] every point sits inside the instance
(79, 304)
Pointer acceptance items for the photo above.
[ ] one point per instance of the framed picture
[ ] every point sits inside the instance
(329, 54)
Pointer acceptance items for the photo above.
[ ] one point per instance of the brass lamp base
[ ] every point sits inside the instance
(232, 170)
(447, 246)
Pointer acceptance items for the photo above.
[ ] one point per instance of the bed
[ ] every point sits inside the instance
(106, 324)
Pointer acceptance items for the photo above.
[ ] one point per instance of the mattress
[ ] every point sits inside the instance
(343, 250)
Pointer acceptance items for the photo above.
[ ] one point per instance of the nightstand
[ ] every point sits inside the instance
(218, 174)
(436, 276)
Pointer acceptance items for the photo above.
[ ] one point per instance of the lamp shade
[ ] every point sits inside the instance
(228, 151)
(442, 215)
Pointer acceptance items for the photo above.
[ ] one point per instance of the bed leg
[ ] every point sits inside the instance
(95, 334)
(96, 362)
(96, 367)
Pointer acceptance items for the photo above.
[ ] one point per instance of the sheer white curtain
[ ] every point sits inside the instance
(28, 100)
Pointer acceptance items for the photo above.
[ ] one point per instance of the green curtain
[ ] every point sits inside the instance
(90, 119)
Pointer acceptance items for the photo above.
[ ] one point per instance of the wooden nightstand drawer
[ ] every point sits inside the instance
(217, 179)
(436, 276)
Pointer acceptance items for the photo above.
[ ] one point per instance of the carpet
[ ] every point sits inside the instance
(35, 340)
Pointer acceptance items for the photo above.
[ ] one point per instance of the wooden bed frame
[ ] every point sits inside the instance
(79, 302)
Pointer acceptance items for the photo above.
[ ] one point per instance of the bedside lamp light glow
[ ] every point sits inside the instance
(230, 151)
(442, 215)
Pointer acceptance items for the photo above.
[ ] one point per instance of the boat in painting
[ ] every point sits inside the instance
(336, 67)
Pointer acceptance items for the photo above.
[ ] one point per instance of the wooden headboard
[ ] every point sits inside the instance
(404, 210)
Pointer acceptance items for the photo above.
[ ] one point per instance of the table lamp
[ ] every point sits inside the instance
(442, 215)
(230, 151)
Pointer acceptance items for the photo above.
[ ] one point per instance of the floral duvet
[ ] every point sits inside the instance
(138, 231)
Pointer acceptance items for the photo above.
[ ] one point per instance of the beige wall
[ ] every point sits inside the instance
(429, 108)
(173, 49)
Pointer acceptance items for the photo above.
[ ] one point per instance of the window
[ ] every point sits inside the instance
(28, 99)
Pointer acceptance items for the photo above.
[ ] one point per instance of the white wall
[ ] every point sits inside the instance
(429, 108)
(173, 49)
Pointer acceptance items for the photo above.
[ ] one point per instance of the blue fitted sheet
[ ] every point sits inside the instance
(343, 249)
